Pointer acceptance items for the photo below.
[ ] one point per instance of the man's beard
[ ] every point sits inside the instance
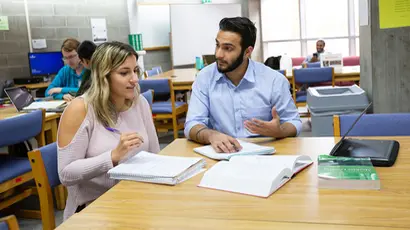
(234, 65)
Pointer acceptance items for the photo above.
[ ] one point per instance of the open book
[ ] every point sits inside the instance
(247, 149)
(254, 175)
(154, 168)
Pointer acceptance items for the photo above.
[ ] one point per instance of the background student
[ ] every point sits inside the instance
(85, 52)
(68, 79)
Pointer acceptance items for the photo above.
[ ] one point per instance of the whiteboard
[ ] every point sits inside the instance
(154, 24)
(194, 29)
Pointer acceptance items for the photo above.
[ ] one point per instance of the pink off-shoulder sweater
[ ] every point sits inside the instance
(84, 162)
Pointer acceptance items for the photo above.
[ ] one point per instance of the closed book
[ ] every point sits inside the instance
(347, 173)
(155, 168)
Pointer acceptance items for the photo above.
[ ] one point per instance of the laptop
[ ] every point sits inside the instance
(24, 101)
(381, 152)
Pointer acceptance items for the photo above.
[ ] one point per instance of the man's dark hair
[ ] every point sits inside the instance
(320, 40)
(242, 26)
(86, 49)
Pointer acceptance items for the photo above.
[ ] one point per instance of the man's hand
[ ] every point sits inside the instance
(223, 143)
(314, 59)
(68, 97)
(266, 128)
(54, 91)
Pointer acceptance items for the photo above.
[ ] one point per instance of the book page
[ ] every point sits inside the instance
(146, 164)
(247, 149)
(45, 105)
(242, 178)
(292, 162)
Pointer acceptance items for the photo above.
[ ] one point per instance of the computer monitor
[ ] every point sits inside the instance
(45, 63)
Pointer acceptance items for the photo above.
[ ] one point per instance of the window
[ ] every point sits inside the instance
(280, 48)
(277, 22)
(326, 18)
(356, 17)
(293, 26)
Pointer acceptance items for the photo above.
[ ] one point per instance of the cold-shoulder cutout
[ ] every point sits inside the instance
(71, 121)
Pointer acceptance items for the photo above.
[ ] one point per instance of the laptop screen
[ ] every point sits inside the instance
(19, 96)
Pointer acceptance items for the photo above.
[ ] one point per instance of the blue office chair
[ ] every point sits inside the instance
(150, 73)
(283, 72)
(393, 124)
(310, 76)
(44, 165)
(165, 110)
(15, 171)
(9, 223)
(313, 65)
(149, 96)
(158, 68)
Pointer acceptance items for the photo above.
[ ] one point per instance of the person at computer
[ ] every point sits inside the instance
(315, 57)
(85, 52)
(67, 82)
(110, 123)
(236, 97)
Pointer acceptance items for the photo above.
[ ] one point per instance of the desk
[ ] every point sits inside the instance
(182, 79)
(297, 205)
(36, 85)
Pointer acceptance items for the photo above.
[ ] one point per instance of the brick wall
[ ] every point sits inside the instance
(54, 20)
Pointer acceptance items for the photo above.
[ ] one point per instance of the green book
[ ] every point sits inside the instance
(347, 173)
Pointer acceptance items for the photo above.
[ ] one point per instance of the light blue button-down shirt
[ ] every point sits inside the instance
(218, 104)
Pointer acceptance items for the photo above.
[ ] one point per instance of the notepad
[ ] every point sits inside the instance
(154, 168)
(247, 149)
(254, 175)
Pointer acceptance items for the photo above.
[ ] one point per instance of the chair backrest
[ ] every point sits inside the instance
(160, 86)
(151, 72)
(45, 158)
(44, 167)
(283, 72)
(313, 75)
(149, 95)
(9, 223)
(297, 61)
(158, 68)
(351, 61)
(21, 128)
(313, 65)
(393, 124)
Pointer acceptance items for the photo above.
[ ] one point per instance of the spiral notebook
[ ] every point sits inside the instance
(155, 168)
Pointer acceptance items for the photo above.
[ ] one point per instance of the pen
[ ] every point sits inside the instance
(113, 130)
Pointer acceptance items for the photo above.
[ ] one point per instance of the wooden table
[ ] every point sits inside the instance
(182, 79)
(50, 123)
(36, 85)
(297, 205)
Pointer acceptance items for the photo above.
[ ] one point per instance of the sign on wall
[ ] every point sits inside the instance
(4, 23)
(99, 30)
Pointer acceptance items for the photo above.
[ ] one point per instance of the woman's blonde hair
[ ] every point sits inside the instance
(106, 58)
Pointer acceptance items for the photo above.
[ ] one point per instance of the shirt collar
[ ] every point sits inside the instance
(249, 74)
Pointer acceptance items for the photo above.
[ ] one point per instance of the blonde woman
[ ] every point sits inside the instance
(111, 123)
